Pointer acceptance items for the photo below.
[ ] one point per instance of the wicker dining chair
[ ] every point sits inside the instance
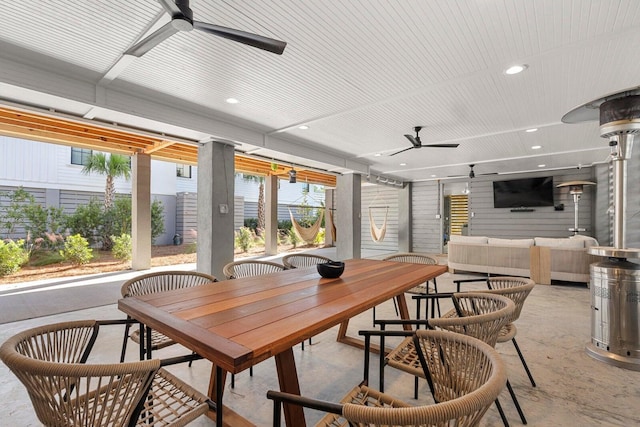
(249, 268)
(467, 374)
(152, 283)
(50, 361)
(420, 289)
(303, 260)
(518, 289)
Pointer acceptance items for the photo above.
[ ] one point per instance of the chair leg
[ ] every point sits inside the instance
(501, 412)
(435, 288)
(233, 380)
(415, 388)
(395, 305)
(515, 402)
(526, 368)
(125, 340)
(191, 361)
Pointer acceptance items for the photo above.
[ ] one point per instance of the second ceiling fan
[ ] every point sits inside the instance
(417, 143)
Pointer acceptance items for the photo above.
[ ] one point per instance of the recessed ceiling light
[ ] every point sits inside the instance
(541, 166)
(531, 130)
(232, 101)
(433, 176)
(536, 147)
(515, 69)
(303, 127)
(403, 164)
(377, 155)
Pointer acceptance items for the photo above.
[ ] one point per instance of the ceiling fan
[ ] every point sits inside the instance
(472, 173)
(416, 143)
(182, 20)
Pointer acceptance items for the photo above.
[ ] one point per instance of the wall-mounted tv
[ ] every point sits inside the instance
(525, 192)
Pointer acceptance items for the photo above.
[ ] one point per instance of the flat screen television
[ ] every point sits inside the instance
(527, 192)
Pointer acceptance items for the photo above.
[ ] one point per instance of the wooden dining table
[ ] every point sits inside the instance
(238, 323)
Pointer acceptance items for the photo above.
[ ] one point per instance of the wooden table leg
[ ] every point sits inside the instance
(288, 379)
(404, 310)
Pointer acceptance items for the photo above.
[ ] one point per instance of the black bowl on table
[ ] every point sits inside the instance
(331, 269)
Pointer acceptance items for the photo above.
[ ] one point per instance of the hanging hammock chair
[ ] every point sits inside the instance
(377, 234)
(308, 234)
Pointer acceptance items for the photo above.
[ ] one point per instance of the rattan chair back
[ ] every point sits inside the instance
(477, 314)
(412, 258)
(515, 288)
(49, 361)
(465, 370)
(303, 260)
(250, 268)
(65, 391)
(164, 281)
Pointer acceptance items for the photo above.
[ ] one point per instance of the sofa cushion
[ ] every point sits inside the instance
(560, 243)
(468, 239)
(519, 243)
(588, 240)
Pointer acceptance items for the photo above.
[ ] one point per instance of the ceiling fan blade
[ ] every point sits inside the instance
(401, 151)
(148, 43)
(174, 9)
(414, 140)
(255, 40)
(442, 145)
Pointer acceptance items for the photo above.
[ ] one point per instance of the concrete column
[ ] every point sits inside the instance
(329, 194)
(141, 212)
(348, 216)
(271, 215)
(405, 231)
(215, 207)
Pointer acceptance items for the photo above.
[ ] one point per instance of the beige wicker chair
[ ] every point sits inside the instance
(249, 268)
(479, 315)
(152, 283)
(467, 374)
(518, 289)
(66, 391)
(420, 289)
(303, 260)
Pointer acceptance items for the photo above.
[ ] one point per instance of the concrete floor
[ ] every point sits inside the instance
(572, 388)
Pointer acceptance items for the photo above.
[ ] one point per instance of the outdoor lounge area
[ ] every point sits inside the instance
(572, 388)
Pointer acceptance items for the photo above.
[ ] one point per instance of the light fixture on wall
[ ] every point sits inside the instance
(576, 188)
(293, 176)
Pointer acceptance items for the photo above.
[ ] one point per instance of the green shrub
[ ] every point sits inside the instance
(77, 250)
(122, 247)
(191, 248)
(244, 238)
(251, 223)
(12, 256)
(319, 239)
(86, 220)
(294, 238)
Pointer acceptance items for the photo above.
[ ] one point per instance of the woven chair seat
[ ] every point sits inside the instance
(158, 340)
(364, 396)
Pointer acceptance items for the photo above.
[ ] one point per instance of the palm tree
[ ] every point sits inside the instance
(261, 207)
(114, 166)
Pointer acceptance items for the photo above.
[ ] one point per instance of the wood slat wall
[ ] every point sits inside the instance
(427, 229)
(542, 222)
(379, 195)
(458, 213)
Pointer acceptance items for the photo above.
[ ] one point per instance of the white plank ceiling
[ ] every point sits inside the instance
(359, 73)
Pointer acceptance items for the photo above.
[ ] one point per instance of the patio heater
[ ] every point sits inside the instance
(576, 188)
(615, 281)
